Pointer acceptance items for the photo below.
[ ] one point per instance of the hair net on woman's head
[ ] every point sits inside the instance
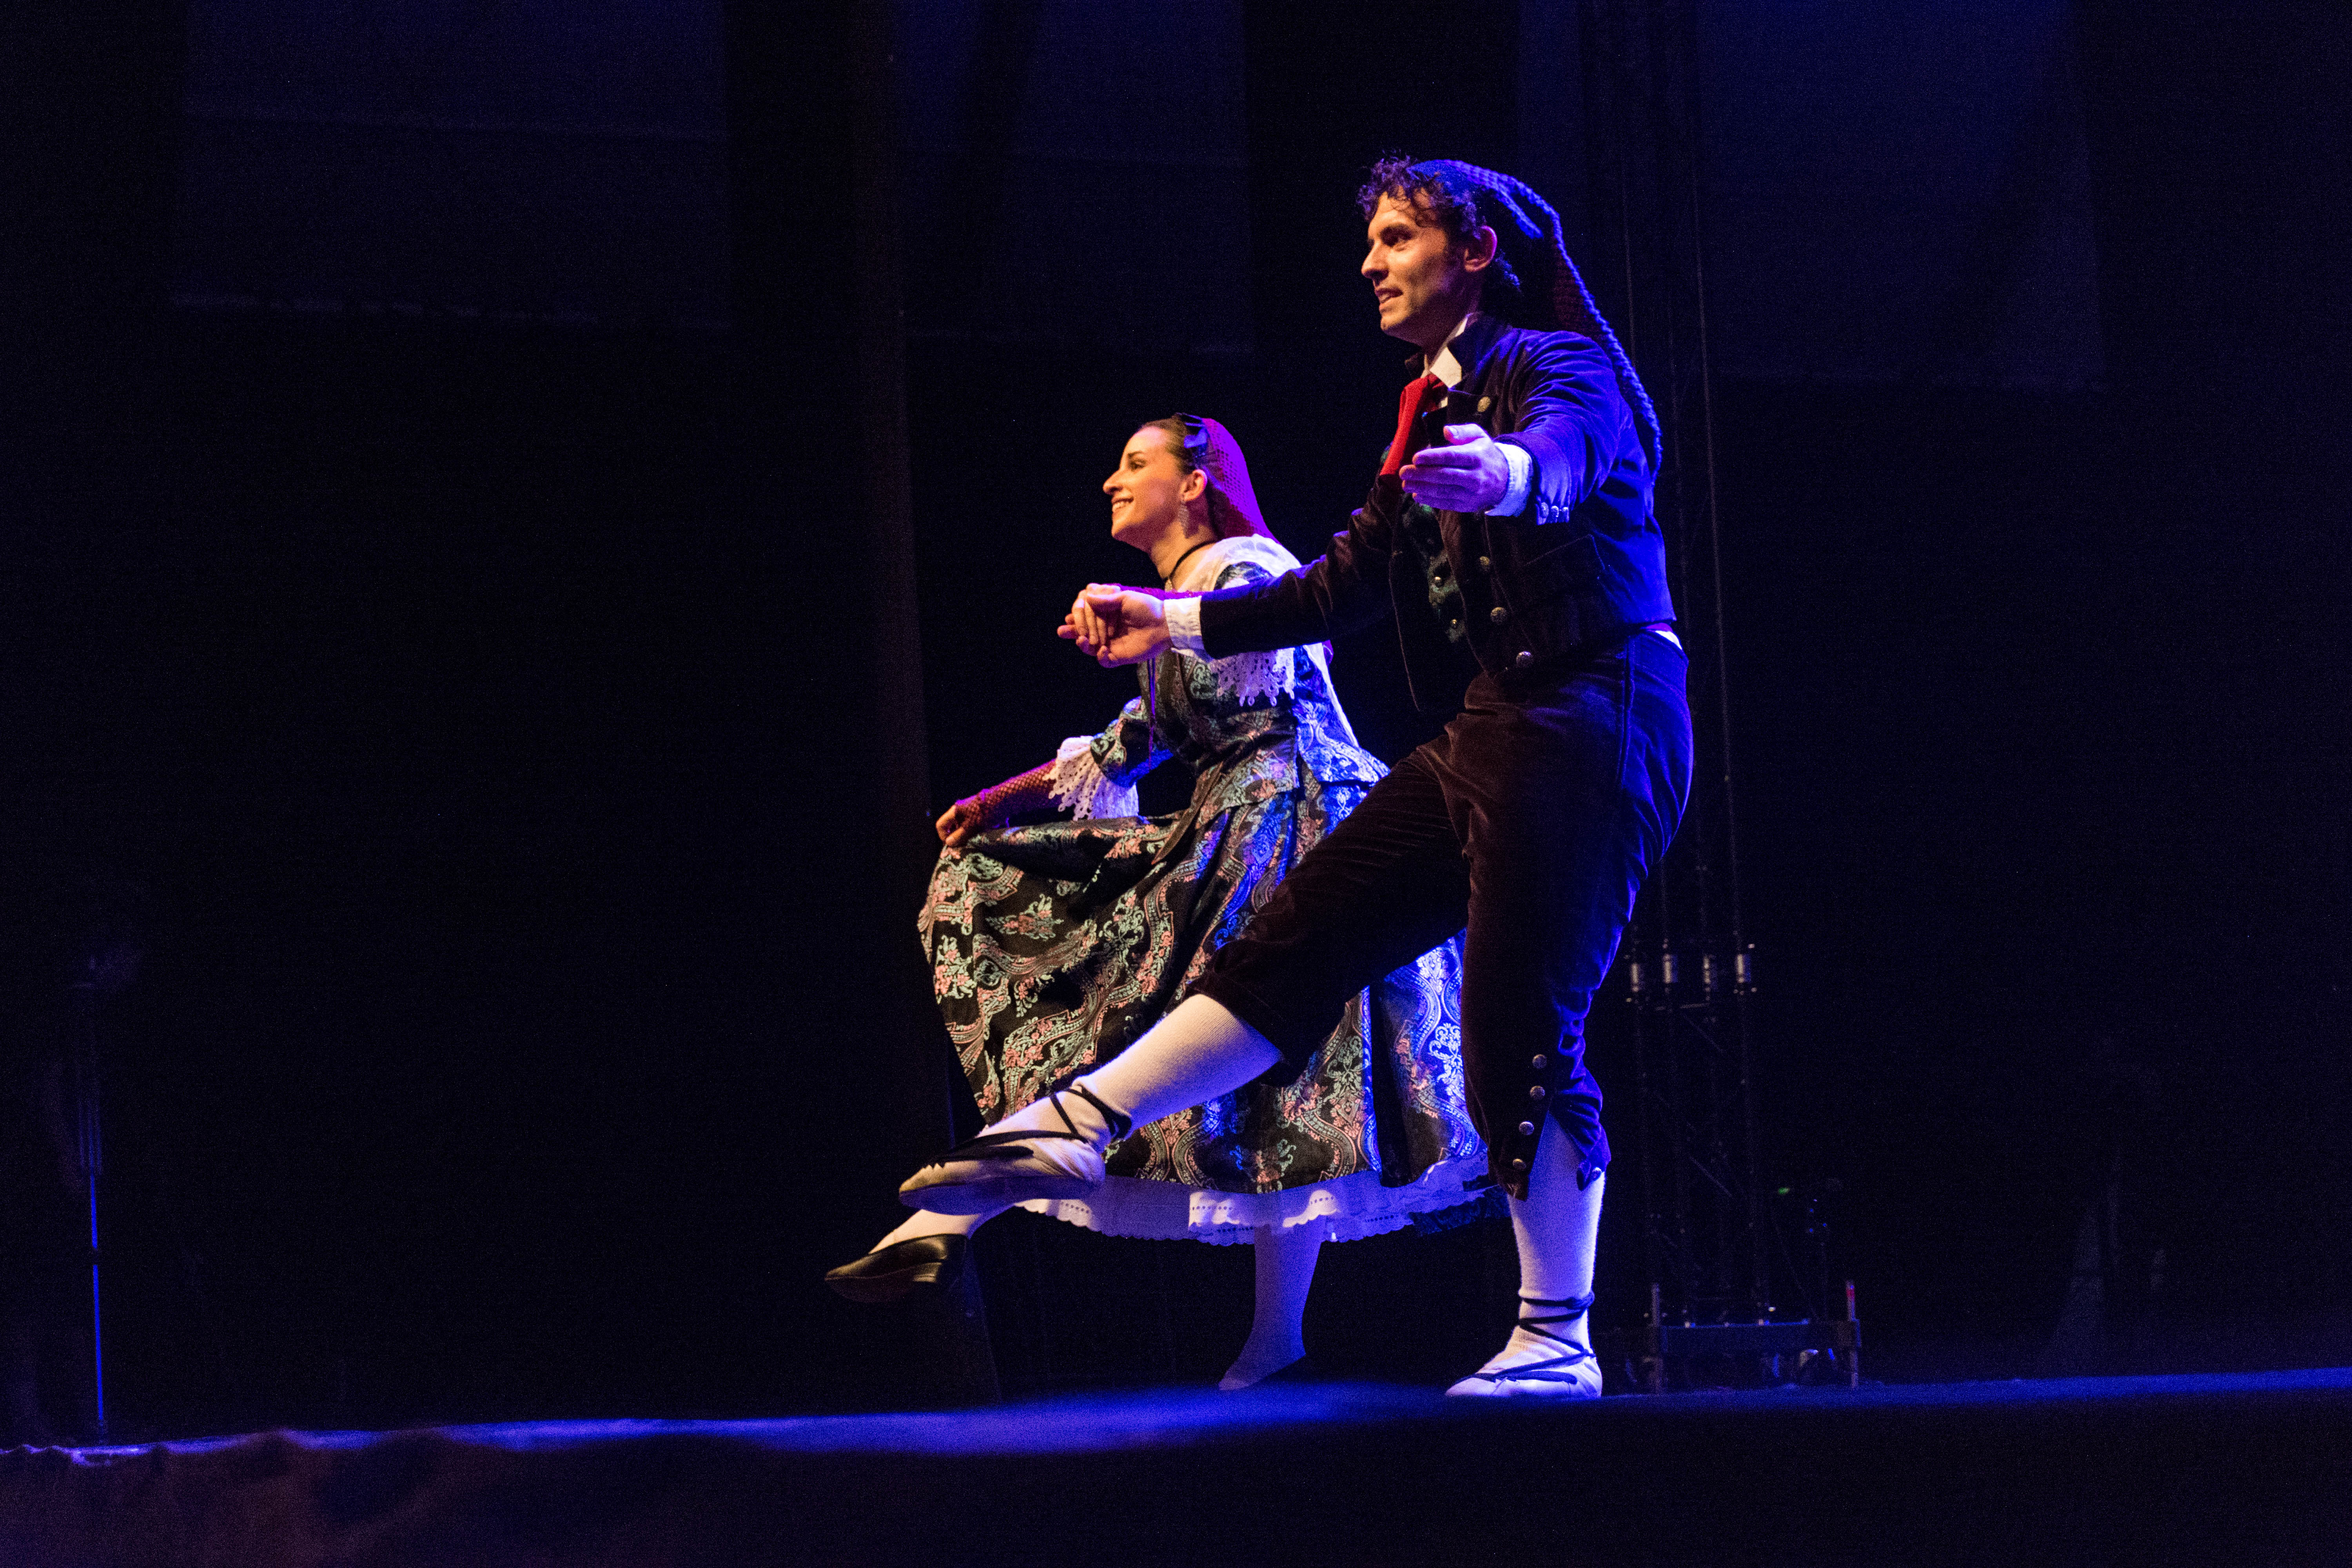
(1209, 448)
(1233, 503)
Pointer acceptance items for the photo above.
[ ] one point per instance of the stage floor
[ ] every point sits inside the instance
(2252, 1468)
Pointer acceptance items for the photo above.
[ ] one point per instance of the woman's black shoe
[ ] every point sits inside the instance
(920, 1265)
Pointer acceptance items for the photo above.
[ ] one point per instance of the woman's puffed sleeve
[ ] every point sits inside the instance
(1094, 775)
(1246, 679)
(1343, 588)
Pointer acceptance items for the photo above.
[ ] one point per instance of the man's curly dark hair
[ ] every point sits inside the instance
(1454, 209)
(1542, 288)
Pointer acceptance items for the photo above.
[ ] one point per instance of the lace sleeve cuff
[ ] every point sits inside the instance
(1081, 786)
(1183, 613)
(1253, 677)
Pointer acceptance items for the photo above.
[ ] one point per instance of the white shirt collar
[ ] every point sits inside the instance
(1443, 364)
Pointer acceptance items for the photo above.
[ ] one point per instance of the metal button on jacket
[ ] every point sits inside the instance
(1525, 659)
(1518, 1165)
(1539, 1060)
(1527, 1129)
(1537, 1092)
(1498, 614)
(1485, 564)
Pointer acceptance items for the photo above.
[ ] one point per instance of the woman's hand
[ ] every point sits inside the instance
(995, 806)
(1117, 626)
(961, 821)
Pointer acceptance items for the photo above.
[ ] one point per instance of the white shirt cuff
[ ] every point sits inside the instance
(1522, 464)
(1184, 622)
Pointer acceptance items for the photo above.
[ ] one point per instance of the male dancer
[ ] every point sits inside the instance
(1511, 535)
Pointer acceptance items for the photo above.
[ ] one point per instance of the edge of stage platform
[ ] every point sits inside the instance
(2154, 1470)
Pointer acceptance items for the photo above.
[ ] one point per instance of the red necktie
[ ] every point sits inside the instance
(1408, 409)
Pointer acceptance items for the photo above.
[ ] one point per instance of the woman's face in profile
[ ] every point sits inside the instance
(1148, 490)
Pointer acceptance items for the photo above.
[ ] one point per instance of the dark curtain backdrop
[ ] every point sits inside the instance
(494, 702)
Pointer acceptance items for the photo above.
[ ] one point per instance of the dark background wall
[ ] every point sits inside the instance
(449, 517)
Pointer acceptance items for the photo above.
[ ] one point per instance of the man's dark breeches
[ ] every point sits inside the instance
(1529, 825)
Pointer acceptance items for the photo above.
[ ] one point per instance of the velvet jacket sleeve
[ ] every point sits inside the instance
(1570, 419)
(1345, 587)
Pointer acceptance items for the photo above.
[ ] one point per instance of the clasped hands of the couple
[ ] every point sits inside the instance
(1116, 624)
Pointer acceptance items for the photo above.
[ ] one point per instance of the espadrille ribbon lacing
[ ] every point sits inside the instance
(997, 1170)
(1574, 1373)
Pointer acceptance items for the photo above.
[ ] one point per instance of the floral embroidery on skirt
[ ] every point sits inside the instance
(1054, 946)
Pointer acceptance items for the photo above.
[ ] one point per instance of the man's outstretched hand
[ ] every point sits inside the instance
(1469, 473)
(1117, 626)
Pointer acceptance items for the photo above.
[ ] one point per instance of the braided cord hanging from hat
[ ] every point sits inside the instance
(1532, 242)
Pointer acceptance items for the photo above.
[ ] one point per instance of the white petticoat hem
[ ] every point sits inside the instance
(1349, 1208)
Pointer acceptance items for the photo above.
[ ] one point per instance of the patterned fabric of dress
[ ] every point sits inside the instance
(1054, 946)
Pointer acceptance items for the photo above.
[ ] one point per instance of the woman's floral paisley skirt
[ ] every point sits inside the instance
(1054, 947)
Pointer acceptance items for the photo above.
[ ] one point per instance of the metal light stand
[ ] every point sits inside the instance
(1690, 968)
(87, 988)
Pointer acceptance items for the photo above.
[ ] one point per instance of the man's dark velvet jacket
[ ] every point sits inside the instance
(1579, 566)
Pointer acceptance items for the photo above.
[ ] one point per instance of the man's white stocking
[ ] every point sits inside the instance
(1558, 1226)
(1196, 1053)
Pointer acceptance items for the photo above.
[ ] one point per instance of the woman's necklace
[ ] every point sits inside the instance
(1168, 581)
(1151, 671)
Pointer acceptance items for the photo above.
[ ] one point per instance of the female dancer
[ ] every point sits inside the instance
(1054, 946)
